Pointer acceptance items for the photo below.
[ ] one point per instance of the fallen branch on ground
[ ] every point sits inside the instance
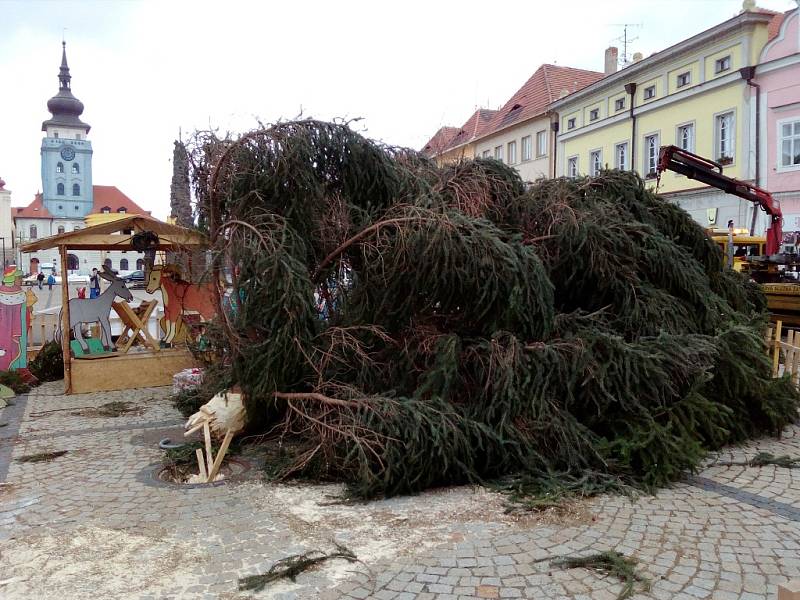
(291, 566)
(609, 563)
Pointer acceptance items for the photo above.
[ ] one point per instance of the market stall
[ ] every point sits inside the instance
(96, 362)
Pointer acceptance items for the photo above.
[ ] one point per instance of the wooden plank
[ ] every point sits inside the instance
(220, 455)
(795, 368)
(207, 437)
(777, 351)
(129, 371)
(789, 360)
(65, 332)
(201, 463)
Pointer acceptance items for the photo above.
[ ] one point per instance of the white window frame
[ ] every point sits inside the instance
(541, 143)
(498, 152)
(572, 168)
(692, 135)
(619, 104)
(511, 152)
(621, 165)
(650, 160)
(731, 138)
(781, 168)
(595, 161)
(686, 78)
(720, 66)
(486, 154)
(594, 114)
(572, 123)
(526, 148)
(648, 89)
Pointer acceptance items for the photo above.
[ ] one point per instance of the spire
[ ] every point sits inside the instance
(65, 108)
(63, 74)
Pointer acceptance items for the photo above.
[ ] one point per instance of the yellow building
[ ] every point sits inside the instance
(694, 94)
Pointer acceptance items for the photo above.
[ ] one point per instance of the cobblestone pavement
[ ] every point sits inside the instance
(96, 522)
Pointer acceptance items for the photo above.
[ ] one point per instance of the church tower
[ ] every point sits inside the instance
(66, 153)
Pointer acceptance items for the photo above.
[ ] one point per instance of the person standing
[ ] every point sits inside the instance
(94, 284)
(40, 279)
(50, 281)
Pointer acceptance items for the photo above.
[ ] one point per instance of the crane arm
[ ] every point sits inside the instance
(672, 158)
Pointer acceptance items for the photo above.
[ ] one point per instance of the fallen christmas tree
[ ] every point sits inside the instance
(580, 331)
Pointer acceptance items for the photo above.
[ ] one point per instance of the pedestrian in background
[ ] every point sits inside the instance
(40, 279)
(94, 284)
(50, 281)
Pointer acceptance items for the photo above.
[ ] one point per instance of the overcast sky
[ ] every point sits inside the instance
(147, 70)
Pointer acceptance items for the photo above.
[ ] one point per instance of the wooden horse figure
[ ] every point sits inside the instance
(179, 296)
(96, 310)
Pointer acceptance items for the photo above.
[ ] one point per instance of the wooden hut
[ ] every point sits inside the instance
(153, 366)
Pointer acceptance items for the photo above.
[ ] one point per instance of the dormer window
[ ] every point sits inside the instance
(122, 210)
(59, 167)
(105, 210)
(75, 169)
(515, 107)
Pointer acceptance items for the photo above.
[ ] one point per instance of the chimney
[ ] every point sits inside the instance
(612, 54)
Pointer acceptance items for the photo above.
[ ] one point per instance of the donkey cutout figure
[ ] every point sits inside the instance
(179, 296)
(97, 310)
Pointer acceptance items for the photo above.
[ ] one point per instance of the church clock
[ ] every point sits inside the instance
(67, 152)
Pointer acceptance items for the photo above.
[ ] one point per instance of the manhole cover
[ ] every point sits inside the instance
(233, 470)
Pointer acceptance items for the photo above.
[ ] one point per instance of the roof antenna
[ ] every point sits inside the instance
(63, 35)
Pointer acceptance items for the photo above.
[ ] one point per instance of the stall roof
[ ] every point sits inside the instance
(117, 234)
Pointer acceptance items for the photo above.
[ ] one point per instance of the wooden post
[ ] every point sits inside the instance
(788, 357)
(220, 455)
(65, 320)
(777, 351)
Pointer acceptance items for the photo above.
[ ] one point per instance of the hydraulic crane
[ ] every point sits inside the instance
(672, 158)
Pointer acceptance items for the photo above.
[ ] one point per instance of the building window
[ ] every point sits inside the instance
(76, 189)
(594, 114)
(32, 232)
(75, 169)
(55, 134)
(650, 155)
(123, 264)
(76, 228)
(724, 133)
(122, 210)
(595, 162)
(619, 104)
(498, 153)
(60, 207)
(60, 229)
(684, 79)
(571, 123)
(486, 153)
(59, 167)
(527, 148)
(685, 137)
(541, 143)
(790, 144)
(77, 136)
(722, 64)
(621, 156)
(572, 166)
(139, 264)
(105, 210)
(60, 189)
(77, 208)
(650, 92)
(512, 152)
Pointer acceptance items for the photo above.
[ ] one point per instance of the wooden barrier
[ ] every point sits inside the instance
(784, 351)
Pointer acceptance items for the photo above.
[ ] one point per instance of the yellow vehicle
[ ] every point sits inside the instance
(745, 246)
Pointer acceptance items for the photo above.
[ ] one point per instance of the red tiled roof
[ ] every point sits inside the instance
(544, 87)
(104, 196)
(774, 27)
(474, 127)
(439, 141)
